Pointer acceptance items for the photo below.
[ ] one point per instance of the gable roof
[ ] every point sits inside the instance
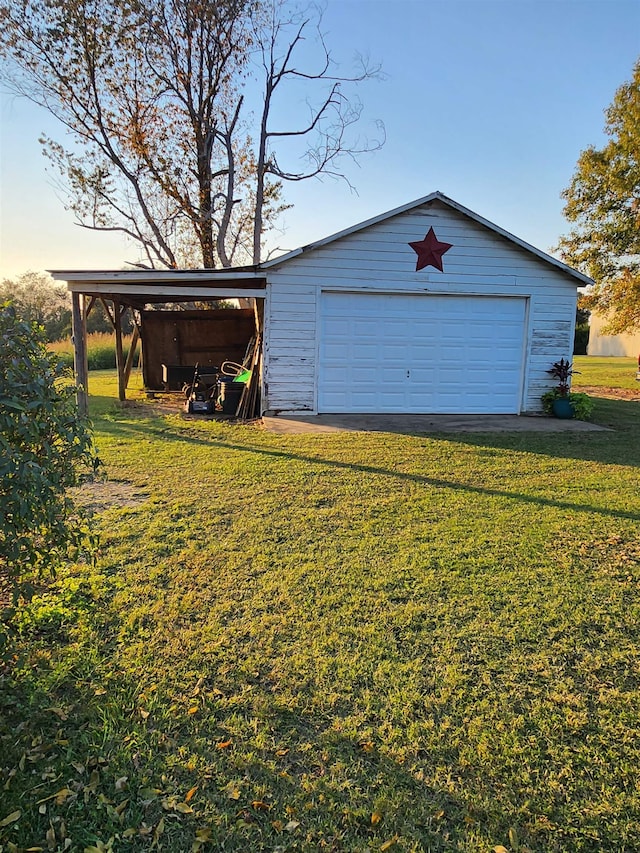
(435, 196)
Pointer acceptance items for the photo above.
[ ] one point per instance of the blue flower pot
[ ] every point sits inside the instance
(563, 408)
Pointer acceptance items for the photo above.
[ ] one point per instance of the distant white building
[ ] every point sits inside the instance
(627, 344)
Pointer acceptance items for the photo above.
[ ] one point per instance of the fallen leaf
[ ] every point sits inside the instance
(223, 744)
(500, 849)
(121, 807)
(51, 838)
(277, 825)
(260, 806)
(189, 795)
(234, 794)
(194, 709)
(281, 752)
(144, 714)
(183, 808)
(158, 831)
(149, 793)
(59, 712)
(368, 745)
(10, 818)
(376, 817)
(121, 783)
(99, 691)
(204, 834)
(130, 832)
(389, 844)
(62, 795)
(293, 824)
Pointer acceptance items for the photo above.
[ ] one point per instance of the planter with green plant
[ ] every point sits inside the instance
(561, 401)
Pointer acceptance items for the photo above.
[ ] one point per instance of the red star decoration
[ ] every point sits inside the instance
(430, 251)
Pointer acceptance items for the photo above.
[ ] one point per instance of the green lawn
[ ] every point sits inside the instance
(610, 371)
(344, 642)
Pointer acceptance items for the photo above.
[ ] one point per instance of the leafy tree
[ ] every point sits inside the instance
(152, 93)
(44, 448)
(146, 90)
(603, 200)
(38, 299)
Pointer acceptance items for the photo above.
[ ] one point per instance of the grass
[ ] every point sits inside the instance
(609, 371)
(337, 643)
(101, 350)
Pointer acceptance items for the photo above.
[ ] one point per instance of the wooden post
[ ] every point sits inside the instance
(80, 364)
(122, 385)
(130, 355)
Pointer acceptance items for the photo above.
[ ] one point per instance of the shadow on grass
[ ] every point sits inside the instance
(484, 440)
(101, 768)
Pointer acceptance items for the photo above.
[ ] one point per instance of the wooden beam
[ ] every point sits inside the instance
(80, 362)
(130, 356)
(107, 311)
(122, 386)
(165, 292)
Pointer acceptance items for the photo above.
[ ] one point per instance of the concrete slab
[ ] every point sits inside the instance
(299, 424)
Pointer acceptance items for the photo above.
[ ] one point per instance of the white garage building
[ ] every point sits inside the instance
(428, 308)
(352, 325)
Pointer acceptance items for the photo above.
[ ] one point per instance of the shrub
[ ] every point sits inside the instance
(44, 447)
(582, 405)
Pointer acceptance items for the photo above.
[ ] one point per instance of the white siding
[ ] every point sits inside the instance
(379, 259)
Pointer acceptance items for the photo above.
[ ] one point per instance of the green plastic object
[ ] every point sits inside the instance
(243, 376)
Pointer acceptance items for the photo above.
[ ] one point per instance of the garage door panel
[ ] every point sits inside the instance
(404, 353)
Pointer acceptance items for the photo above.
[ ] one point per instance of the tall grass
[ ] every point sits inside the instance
(101, 350)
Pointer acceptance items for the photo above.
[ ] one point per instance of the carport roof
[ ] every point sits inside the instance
(145, 286)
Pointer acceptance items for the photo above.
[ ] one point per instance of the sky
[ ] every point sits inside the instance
(488, 101)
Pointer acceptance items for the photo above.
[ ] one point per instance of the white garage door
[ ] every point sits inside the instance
(404, 353)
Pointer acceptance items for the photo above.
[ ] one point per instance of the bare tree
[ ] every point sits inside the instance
(280, 33)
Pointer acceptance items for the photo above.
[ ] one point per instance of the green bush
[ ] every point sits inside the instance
(44, 447)
(582, 405)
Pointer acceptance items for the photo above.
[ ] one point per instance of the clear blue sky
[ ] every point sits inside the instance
(489, 101)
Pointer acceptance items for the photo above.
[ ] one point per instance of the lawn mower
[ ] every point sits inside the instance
(201, 396)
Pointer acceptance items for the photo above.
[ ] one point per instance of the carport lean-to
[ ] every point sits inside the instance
(207, 334)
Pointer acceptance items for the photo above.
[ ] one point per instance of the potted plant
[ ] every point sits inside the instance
(561, 401)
